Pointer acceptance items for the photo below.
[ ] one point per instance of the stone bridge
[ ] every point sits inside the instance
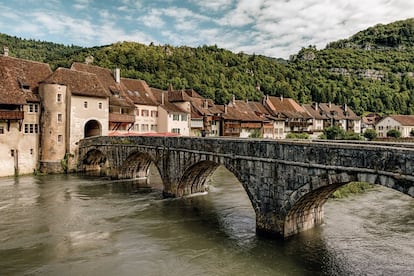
(287, 181)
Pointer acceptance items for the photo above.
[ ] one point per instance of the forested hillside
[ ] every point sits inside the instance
(371, 71)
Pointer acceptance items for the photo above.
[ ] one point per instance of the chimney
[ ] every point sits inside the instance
(225, 109)
(316, 106)
(281, 98)
(6, 51)
(170, 88)
(206, 104)
(162, 98)
(117, 75)
(330, 105)
(234, 99)
(345, 108)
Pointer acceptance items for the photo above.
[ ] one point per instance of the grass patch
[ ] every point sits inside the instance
(352, 188)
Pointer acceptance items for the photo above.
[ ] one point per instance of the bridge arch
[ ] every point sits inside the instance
(136, 165)
(196, 176)
(306, 203)
(93, 160)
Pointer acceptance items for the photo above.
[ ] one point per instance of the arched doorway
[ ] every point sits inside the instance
(92, 128)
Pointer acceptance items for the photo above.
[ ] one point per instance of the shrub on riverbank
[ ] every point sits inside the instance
(352, 188)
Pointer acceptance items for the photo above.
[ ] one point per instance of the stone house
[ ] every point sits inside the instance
(318, 119)
(172, 118)
(295, 116)
(342, 116)
(204, 119)
(240, 120)
(402, 123)
(272, 127)
(74, 106)
(146, 105)
(20, 114)
(121, 107)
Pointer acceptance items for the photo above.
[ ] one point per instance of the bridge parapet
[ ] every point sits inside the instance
(287, 181)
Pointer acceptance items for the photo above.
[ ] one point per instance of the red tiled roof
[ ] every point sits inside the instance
(80, 83)
(19, 80)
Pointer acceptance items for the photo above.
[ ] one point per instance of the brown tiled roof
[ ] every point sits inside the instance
(337, 112)
(371, 119)
(240, 110)
(167, 105)
(286, 107)
(19, 80)
(314, 111)
(80, 83)
(192, 93)
(203, 107)
(118, 90)
(405, 120)
(139, 91)
(178, 96)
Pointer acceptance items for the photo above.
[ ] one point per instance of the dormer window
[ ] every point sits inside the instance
(23, 85)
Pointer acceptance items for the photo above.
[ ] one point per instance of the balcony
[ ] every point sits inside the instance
(121, 118)
(11, 115)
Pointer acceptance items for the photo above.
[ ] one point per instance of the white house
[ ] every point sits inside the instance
(402, 123)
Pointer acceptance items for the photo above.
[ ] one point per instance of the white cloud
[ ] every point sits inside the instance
(276, 28)
(213, 5)
(153, 19)
(81, 4)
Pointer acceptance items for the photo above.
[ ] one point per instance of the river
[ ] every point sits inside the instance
(84, 225)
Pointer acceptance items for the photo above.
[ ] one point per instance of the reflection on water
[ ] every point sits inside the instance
(77, 225)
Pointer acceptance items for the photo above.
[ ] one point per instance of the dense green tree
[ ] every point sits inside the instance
(393, 133)
(370, 134)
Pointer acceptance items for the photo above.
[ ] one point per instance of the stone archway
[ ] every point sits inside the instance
(92, 128)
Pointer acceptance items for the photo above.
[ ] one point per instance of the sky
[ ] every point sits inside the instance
(275, 28)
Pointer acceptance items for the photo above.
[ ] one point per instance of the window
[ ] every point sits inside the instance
(154, 128)
(59, 97)
(33, 108)
(31, 128)
(176, 117)
(60, 138)
(31, 151)
(100, 105)
(144, 127)
(12, 153)
(59, 117)
(85, 104)
(175, 130)
(154, 113)
(144, 113)
(1, 129)
(183, 117)
(137, 112)
(136, 127)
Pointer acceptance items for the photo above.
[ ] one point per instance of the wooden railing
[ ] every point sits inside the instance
(11, 115)
(121, 118)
